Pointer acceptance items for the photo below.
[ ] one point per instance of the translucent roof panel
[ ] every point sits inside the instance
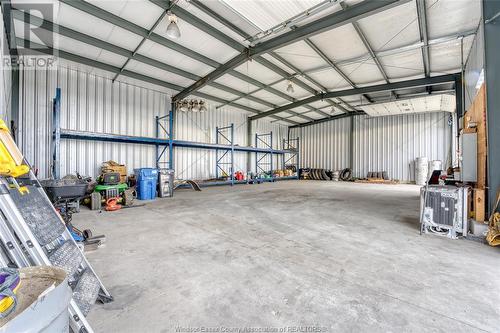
(129, 9)
(226, 11)
(194, 10)
(266, 14)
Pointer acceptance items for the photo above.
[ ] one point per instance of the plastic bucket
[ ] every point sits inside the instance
(434, 165)
(42, 302)
(421, 170)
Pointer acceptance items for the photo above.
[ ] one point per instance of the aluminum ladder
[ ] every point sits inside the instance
(33, 233)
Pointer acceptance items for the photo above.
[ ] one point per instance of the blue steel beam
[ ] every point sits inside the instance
(106, 137)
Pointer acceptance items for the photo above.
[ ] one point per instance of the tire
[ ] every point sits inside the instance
(346, 174)
(87, 233)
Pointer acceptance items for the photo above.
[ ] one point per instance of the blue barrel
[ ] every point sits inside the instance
(147, 179)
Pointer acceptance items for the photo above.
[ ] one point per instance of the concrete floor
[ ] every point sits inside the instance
(332, 256)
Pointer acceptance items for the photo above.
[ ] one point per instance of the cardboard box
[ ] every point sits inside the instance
(112, 166)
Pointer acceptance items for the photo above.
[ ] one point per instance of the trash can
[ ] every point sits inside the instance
(147, 178)
(166, 183)
(42, 302)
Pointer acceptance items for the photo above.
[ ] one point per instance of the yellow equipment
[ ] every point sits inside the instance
(493, 236)
(11, 159)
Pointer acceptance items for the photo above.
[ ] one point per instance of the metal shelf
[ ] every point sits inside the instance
(164, 141)
(92, 136)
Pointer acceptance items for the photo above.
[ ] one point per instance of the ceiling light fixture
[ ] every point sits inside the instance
(194, 105)
(289, 88)
(184, 105)
(203, 108)
(172, 28)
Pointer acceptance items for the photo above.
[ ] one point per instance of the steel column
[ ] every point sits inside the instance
(424, 35)
(492, 78)
(171, 137)
(56, 135)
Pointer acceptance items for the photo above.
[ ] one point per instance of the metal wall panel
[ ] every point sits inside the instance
(325, 145)
(93, 103)
(392, 143)
(88, 103)
(379, 143)
(5, 76)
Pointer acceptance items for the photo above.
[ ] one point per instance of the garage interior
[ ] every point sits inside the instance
(249, 166)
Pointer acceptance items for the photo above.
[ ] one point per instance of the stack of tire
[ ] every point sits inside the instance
(319, 174)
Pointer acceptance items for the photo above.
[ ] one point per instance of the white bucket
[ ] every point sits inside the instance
(43, 298)
(434, 165)
(421, 170)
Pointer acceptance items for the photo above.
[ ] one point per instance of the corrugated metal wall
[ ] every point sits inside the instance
(392, 143)
(379, 143)
(96, 104)
(325, 145)
(5, 79)
(201, 127)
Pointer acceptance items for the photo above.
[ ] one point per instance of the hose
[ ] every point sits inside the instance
(7, 287)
